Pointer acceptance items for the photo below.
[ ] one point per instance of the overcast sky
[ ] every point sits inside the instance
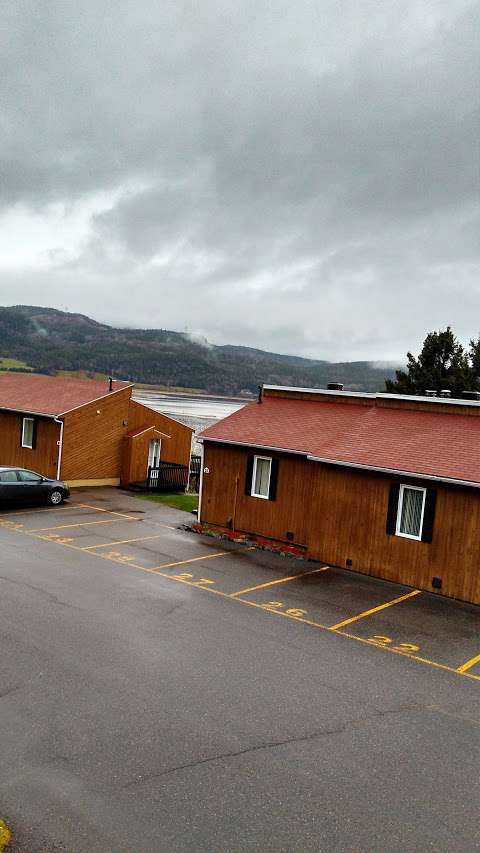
(298, 176)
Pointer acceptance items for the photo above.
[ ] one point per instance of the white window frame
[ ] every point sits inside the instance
(254, 477)
(399, 512)
(32, 421)
(151, 456)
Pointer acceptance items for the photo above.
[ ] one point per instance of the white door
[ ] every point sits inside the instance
(154, 452)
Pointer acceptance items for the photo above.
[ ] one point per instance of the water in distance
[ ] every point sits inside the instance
(193, 410)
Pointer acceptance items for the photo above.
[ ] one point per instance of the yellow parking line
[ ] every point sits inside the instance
(77, 524)
(374, 610)
(122, 542)
(192, 560)
(5, 835)
(39, 510)
(261, 607)
(280, 580)
(469, 664)
(313, 624)
(110, 511)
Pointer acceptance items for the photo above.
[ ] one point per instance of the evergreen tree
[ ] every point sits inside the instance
(474, 358)
(442, 365)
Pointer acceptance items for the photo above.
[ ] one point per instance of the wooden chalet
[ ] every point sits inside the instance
(89, 433)
(382, 484)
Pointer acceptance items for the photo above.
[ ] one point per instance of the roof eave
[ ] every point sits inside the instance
(148, 429)
(472, 484)
(361, 466)
(203, 438)
(96, 399)
(369, 395)
(28, 412)
(379, 395)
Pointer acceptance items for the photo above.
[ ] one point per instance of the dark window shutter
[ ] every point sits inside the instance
(392, 508)
(272, 492)
(34, 434)
(248, 480)
(21, 432)
(429, 515)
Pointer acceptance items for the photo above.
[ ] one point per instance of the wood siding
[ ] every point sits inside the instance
(223, 500)
(135, 457)
(43, 458)
(93, 440)
(178, 447)
(92, 444)
(341, 514)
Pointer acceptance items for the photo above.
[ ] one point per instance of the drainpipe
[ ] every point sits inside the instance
(234, 514)
(200, 488)
(189, 464)
(60, 447)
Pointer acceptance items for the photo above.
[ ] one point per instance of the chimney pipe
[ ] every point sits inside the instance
(335, 386)
(260, 394)
(110, 383)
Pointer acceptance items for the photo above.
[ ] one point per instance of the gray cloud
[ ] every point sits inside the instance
(302, 177)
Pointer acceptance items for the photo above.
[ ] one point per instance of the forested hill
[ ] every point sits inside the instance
(48, 340)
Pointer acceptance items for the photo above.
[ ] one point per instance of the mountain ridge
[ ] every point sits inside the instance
(51, 340)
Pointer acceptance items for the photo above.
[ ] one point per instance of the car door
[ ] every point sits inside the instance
(33, 486)
(11, 488)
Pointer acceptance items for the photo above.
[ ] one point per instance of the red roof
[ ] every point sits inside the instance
(50, 395)
(419, 442)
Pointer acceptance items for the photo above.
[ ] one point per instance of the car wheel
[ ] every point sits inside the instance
(56, 497)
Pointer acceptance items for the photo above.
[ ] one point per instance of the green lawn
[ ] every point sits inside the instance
(8, 363)
(180, 501)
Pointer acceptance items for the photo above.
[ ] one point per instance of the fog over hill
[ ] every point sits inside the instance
(49, 340)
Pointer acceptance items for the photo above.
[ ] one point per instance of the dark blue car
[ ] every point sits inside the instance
(19, 485)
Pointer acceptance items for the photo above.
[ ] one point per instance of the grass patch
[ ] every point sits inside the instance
(81, 374)
(186, 502)
(8, 363)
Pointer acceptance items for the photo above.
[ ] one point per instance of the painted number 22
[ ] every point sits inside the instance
(387, 641)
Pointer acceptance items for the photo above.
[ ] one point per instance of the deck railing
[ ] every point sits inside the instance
(172, 477)
(167, 477)
(194, 483)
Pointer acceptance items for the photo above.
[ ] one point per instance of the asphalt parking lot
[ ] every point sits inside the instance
(433, 630)
(231, 624)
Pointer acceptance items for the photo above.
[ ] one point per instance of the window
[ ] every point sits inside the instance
(29, 477)
(27, 432)
(411, 507)
(261, 477)
(8, 477)
(262, 467)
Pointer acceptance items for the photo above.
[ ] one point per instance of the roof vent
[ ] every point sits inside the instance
(445, 393)
(430, 393)
(471, 395)
(335, 386)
